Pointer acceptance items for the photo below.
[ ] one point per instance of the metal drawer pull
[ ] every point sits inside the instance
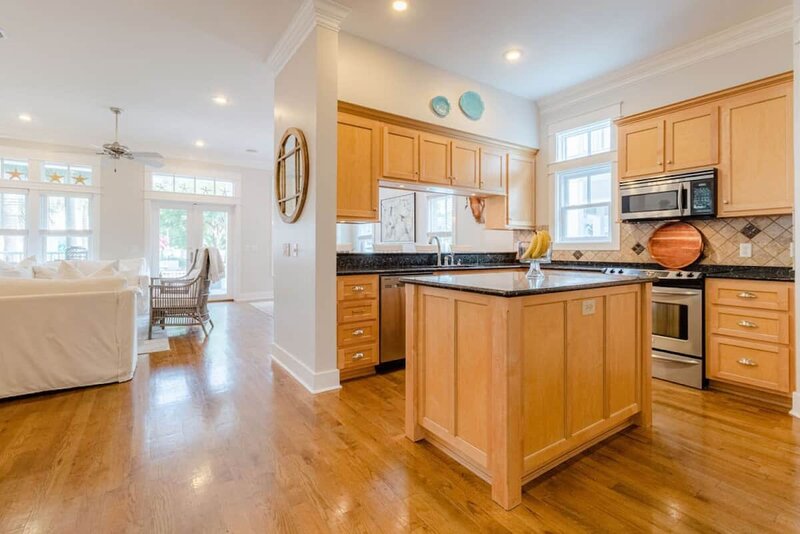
(747, 295)
(748, 362)
(747, 324)
(358, 356)
(358, 289)
(358, 332)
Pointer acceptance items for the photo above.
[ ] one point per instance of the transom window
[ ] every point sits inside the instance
(59, 173)
(440, 219)
(14, 170)
(192, 185)
(584, 204)
(584, 141)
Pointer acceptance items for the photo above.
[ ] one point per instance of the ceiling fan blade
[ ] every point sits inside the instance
(147, 155)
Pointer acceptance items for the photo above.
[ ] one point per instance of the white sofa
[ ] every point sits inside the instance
(57, 334)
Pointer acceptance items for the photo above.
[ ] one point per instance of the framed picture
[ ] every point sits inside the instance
(397, 219)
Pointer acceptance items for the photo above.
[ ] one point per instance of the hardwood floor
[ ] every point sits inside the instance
(213, 438)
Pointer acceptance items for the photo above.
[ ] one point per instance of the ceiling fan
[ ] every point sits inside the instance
(116, 150)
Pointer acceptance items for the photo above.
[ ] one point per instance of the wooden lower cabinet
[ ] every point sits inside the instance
(511, 387)
(357, 325)
(750, 334)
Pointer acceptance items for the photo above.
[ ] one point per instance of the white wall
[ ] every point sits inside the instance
(122, 224)
(768, 57)
(380, 78)
(305, 285)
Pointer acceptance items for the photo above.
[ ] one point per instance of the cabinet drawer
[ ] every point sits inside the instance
(762, 365)
(750, 294)
(357, 287)
(356, 310)
(360, 356)
(359, 333)
(758, 325)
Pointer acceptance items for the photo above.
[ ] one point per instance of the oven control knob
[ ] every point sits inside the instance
(611, 271)
(689, 275)
(679, 275)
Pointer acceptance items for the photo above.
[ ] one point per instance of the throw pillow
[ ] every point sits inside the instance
(67, 271)
(89, 267)
(107, 270)
(46, 273)
(22, 269)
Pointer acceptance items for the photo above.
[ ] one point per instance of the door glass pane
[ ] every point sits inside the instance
(56, 213)
(215, 234)
(671, 320)
(79, 208)
(173, 230)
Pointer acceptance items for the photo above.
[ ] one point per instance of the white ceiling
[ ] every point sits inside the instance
(65, 62)
(565, 42)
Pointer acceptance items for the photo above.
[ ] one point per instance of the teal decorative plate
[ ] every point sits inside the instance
(472, 105)
(440, 106)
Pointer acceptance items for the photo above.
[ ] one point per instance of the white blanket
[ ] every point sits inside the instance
(216, 265)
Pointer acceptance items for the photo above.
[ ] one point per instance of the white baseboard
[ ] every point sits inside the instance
(312, 381)
(795, 404)
(255, 295)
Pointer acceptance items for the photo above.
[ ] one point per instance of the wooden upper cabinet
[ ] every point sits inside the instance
(756, 161)
(357, 168)
(400, 153)
(521, 190)
(641, 148)
(493, 170)
(465, 164)
(434, 159)
(692, 138)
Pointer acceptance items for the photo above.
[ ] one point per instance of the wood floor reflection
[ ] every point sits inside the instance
(212, 437)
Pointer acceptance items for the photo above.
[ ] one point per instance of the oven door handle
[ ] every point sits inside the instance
(678, 359)
(676, 293)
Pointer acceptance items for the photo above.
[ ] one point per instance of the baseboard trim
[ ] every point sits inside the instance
(795, 404)
(256, 295)
(312, 381)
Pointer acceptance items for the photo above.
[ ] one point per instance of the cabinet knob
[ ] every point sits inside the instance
(669, 162)
(358, 289)
(747, 362)
(725, 202)
(660, 162)
(358, 332)
(358, 356)
(747, 295)
(747, 324)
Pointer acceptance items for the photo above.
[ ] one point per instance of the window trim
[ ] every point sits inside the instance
(560, 150)
(560, 208)
(452, 233)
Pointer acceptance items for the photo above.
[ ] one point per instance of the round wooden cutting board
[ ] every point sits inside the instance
(675, 245)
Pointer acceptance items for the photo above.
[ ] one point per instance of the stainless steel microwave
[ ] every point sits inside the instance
(692, 194)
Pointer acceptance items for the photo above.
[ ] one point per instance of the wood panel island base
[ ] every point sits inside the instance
(511, 377)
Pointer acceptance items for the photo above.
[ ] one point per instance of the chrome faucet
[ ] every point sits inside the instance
(438, 249)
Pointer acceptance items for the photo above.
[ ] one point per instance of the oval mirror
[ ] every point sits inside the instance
(291, 175)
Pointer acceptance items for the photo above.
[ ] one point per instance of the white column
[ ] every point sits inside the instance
(305, 63)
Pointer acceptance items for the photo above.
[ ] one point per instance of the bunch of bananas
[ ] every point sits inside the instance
(538, 247)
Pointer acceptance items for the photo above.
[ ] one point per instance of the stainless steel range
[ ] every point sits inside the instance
(678, 346)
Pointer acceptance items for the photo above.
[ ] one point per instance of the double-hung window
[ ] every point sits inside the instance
(441, 219)
(583, 171)
(66, 224)
(13, 225)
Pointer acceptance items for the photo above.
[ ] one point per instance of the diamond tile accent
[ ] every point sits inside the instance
(750, 231)
(577, 254)
(637, 248)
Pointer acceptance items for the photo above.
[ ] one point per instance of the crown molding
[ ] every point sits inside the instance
(312, 13)
(729, 40)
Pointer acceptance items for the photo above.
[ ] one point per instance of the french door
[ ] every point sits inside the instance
(181, 228)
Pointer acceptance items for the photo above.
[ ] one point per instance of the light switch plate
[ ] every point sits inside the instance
(588, 307)
(286, 249)
(745, 250)
(295, 249)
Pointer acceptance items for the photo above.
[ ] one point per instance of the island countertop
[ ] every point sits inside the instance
(516, 284)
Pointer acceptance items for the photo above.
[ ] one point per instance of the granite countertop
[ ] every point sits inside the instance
(516, 284)
(430, 268)
(775, 274)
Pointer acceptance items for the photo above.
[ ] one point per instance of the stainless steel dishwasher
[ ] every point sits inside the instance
(393, 320)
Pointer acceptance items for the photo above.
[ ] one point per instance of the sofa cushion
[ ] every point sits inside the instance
(88, 267)
(14, 287)
(67, 271)
(23, 269)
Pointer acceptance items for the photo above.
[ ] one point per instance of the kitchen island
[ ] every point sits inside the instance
(511, 376)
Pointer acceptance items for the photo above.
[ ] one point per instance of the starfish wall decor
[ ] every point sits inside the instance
(14, 175)
(80, 179)
(55, 178)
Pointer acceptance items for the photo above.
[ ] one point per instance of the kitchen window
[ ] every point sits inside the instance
(441, 220)
(66, 224)
(584, 205)
(13, 226)
(584, 141)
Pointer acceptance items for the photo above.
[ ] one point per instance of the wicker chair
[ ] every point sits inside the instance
(181, 301)
(76, 253)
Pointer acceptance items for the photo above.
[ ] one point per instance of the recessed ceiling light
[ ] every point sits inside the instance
(24, 117)
(220, 99)
(200, 143)
(399, 5)
(513, 55)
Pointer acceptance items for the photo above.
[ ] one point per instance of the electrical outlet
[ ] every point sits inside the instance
(745, 250)
(286, 249)
(588, 307)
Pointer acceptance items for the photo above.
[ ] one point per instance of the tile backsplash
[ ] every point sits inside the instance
(770, 236)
